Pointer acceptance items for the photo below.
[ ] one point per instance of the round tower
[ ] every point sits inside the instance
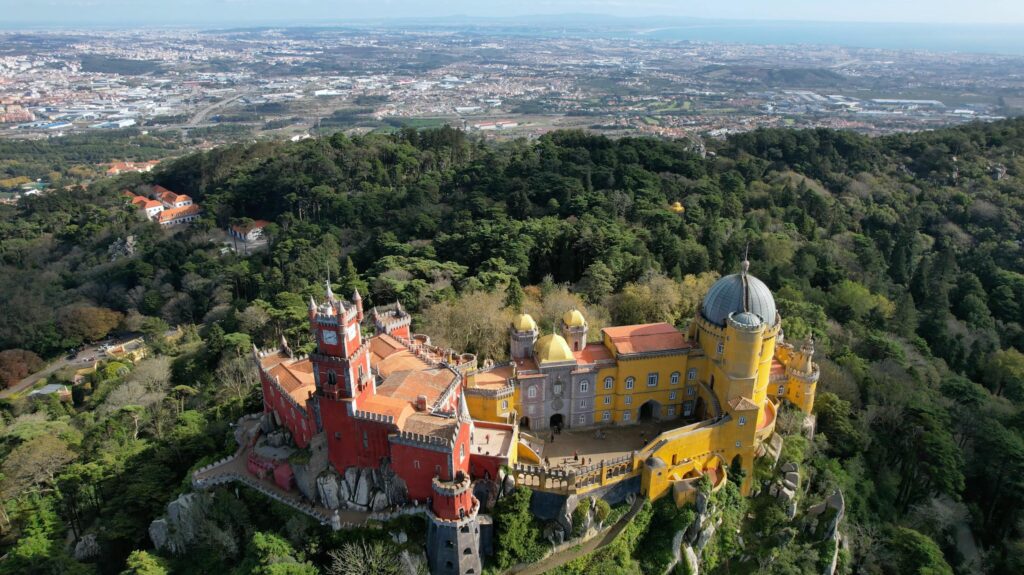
(574, 329)
(522, 336)
(453, 531)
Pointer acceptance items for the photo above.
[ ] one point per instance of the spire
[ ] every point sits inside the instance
(355, 295)
(398, 307)
(312, 304)
(284, 346)
(330, 292)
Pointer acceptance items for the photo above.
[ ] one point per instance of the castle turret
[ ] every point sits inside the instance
(453, 530)
(522, 336)
(574, 329)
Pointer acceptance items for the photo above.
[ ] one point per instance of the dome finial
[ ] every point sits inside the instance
(745, 266)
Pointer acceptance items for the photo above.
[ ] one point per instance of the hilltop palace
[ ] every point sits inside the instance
(391, 423)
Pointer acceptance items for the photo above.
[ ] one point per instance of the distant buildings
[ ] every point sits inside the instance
(247, 233)
(167, 208)
(118, 168)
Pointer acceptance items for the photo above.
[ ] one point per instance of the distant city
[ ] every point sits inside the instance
(292, 82)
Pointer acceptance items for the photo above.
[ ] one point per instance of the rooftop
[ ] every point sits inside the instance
(645, 338)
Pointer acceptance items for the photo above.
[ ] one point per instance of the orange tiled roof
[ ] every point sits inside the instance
(777, 368)
(140, 201)
(593, 352)
(646, 338)
(255, 225)
(496, 378)
(151, 204)
(183, 198)
(408, 385)
(296, 377)
(175, 213)
(390, 356)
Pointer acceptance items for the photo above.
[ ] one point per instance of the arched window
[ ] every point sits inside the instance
(332, 378)
(675, 378)
(584, 386)
(629, 382)
(608, 382)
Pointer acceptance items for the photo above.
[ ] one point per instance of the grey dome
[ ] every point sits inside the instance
(738, 293)
(746, 319)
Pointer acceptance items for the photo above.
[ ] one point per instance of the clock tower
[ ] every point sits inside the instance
(341, 362)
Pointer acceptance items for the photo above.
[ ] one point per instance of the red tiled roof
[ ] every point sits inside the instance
(593, 352)
(646, 338)
(175, 213)
(151, 204)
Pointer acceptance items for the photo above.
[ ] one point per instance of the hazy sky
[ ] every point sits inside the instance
(71, 12)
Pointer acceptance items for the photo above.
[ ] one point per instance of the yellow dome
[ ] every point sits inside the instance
(552, 348)
(524, 322)
(573, 318)
(678, 208)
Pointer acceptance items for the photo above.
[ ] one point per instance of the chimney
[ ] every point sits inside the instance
(421, 403)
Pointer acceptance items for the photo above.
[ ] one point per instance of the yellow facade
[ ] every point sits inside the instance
(728, 371)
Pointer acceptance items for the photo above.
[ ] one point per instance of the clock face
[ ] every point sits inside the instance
(329, 337)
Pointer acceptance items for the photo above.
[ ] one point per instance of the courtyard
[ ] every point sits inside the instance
(594, 444)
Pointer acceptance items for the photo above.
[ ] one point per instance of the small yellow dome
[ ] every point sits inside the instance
(524, 322)
(552, 347)
(678, 208)
(573, 318)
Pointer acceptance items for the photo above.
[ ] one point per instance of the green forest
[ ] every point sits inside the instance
(902, 255)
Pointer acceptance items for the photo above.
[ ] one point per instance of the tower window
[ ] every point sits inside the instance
(629, 382)
(743, 420)
(462, 451)
(467, 551)
(782, 390)
(675, 378)
(415, 463)
(721, 348)
(332, 378)
(504, 405)
(366, 440)
(608, 382)
(607, 399)
(531, 392)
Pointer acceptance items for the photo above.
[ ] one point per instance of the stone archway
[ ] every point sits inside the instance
(557, 421)
(524, 423)
(650, 411)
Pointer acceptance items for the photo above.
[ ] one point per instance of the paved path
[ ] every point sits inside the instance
(80, 361)
(561, 558)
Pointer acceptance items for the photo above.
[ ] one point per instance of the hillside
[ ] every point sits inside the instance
(901, 255)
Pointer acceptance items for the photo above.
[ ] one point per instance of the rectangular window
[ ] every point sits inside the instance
(582, 419)
(691, 391)
(652, 380)
(675, 378)
(606, 416)
(584, 386)
(691, 374)
(743, 420)
(629, 383)
(416, 464)
(671, 410)
(782, 390)
(626, 415)
(629, 400)
(504, 405)
(688, 409)
(337, 436)
(721, 348)
(607, 399)
(672, 396)
(366, 441)
(583, 403)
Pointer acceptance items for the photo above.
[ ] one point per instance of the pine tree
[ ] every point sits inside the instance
(514, 295)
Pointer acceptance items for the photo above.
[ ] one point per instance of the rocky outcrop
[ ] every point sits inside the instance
(87, 548)
(182, 524)
(486, 492)
(362, 489)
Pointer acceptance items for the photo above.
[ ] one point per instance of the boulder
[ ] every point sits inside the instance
(691, 559)
(182, 524)
(793, 477)
(379, 502)
(398, 493)
(327, 489)
(786, 494)
(695, 528)
(363, 489)
(352, 479)
(705, 536)
(486, 492)
(791, 510)
(701, 502)
(87, 548)
(159, 533)
(508, 485)
(789, 467)
(344, 494)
